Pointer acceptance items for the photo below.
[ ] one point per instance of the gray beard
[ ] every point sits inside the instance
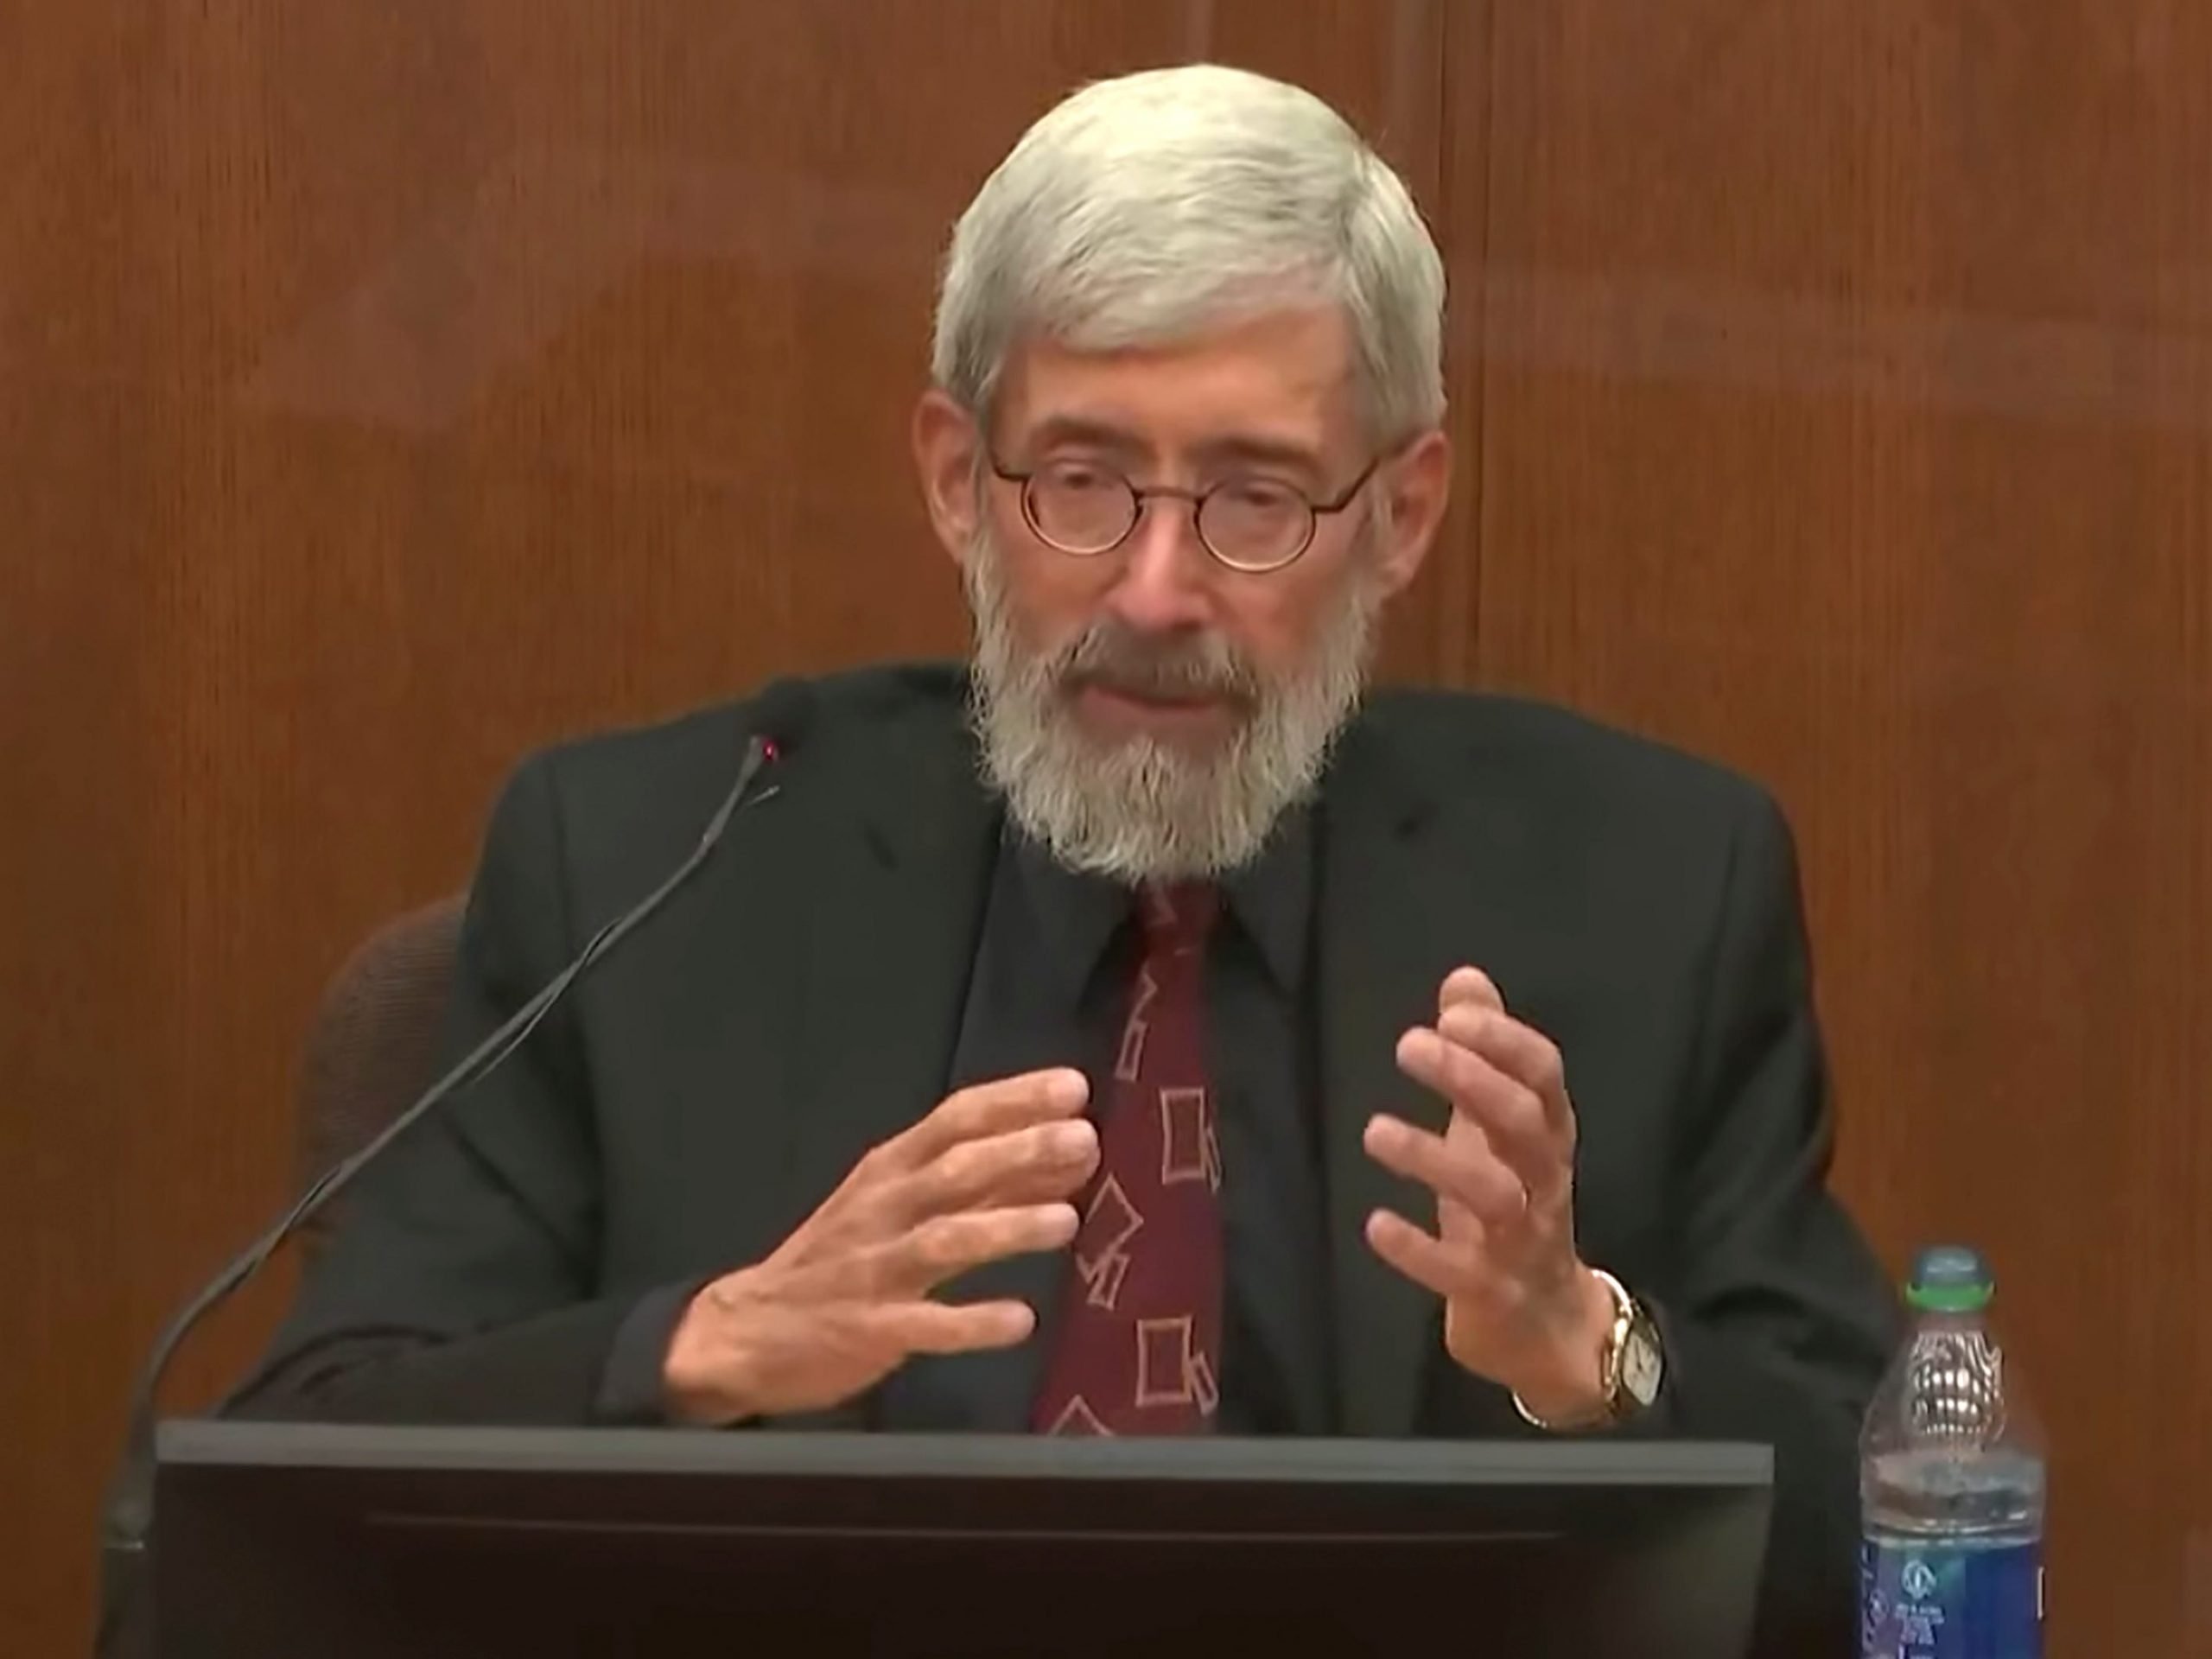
(1139, 809)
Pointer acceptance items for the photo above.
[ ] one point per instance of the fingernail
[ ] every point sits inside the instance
(1073, 1140)
(1421, 1047)
(1067, 1090)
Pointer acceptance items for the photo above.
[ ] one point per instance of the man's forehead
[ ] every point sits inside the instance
(1284, 380)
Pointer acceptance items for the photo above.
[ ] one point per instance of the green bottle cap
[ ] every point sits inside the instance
(1950, 1279)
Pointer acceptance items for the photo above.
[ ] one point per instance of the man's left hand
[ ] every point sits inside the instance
(1520, 1307)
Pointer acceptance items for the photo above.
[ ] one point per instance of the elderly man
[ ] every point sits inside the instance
(1141, 1028)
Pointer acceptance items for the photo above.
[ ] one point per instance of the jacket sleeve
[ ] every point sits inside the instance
(1782, 1320)
(461, 1283)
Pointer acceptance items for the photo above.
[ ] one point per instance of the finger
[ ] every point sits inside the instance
(1455, 1273)
(1030, 1166)
(1469, 986)
(946, 1246)
(1523, 1053)
(1511, 1116)
(1466, 1173)
(987, 1109)
(941, 1328)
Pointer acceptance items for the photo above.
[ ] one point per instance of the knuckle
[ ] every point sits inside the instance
(958, 1111)
(1463, 1022)
(1525, 1109)
(868, 1273)
(1467, 1074)
(961, 1100)
(922, 1189)
(884, 1212)
(925, 1245)
(1551, 1069)
(942, 1245)
(955, 1170)
(1451, 1063)
(1502, 1196)
(1047, 1145)
(945, 1126)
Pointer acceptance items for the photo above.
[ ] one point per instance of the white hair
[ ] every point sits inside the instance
(1148, 209)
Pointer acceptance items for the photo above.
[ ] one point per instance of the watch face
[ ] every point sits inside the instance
(1640, 1367)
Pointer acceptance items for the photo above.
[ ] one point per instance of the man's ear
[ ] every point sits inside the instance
(946, 446)
(1418, 488)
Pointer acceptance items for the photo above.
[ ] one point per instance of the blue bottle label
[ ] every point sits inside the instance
(1944, 1601)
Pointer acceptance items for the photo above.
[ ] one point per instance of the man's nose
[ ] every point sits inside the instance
(1165, 582)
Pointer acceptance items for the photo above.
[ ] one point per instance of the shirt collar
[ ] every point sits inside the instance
(1078, 914)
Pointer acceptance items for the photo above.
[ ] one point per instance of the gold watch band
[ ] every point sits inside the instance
(1609, 1366)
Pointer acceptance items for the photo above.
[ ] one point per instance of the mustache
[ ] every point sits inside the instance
(1111, 656)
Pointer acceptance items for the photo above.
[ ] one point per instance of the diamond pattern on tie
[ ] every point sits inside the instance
(1171, 1368)
(1077, 1418)
(1190, 1149)
(1137, 1334)
(1130, 1061)
(1102, 1257)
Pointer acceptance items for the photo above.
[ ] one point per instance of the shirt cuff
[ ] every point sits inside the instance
(630, 1389)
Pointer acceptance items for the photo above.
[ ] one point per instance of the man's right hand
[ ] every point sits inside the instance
(991, 1172)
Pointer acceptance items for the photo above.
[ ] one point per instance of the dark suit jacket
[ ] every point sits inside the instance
(714, 1077)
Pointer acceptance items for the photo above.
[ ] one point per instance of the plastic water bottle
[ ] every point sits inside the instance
(1951, 1485)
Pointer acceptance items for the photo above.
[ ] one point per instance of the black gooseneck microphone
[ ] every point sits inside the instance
(780, 716)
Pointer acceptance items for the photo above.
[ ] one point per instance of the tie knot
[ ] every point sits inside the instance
(1177, 915)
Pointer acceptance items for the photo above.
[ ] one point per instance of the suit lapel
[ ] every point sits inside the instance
(885, 962)
(1410, 889)
(884, 966)
(886, 983)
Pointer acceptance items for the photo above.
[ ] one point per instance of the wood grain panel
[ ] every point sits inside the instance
(1847, 372)
(386, 390)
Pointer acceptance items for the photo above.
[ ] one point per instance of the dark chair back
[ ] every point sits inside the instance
(374, 1046)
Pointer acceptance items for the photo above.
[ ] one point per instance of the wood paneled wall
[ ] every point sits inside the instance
(385, 390)
(1847, 403)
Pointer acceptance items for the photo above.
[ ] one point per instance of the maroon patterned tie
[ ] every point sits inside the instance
(1139, 1337)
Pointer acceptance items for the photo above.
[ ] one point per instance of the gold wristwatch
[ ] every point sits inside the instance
(1632, 1368)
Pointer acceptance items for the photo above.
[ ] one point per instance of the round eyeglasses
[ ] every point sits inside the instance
(1252, 523)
